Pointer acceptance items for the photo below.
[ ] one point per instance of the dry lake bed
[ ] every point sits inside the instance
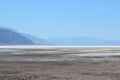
(59, 62)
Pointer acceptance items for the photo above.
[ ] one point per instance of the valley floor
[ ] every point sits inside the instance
(59, 63)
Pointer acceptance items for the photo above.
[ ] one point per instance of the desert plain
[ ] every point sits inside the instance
(59, 62)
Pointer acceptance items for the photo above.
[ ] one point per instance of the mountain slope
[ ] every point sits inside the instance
(36, 40)
(11, 37)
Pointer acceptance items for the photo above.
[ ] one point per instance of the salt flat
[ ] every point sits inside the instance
(56, 53)
(59, 63)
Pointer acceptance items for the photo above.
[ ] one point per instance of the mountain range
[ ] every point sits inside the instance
(82, 41)
(12, 37)
(36, 40)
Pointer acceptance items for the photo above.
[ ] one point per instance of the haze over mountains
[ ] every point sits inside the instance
(36, 40)
(82, 41)
(12, 37)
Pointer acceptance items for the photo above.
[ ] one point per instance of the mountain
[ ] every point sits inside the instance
(36, 40)
(12, 37)
(82, 41)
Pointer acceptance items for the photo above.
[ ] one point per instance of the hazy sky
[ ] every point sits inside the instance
(63, 18)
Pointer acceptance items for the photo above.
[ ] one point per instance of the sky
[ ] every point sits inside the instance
(63, 18)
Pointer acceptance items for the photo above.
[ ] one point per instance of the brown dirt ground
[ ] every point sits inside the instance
(60, 70)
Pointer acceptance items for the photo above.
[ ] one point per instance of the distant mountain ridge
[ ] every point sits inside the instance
(36, 40)
(82, 41)
(12, 37)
